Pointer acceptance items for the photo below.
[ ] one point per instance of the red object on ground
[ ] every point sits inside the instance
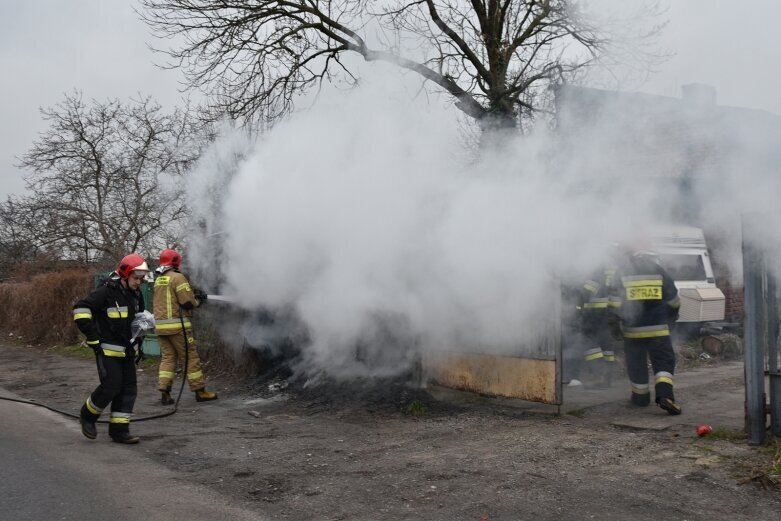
(704, 430)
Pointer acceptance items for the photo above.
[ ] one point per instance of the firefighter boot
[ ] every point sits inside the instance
(202, 395)
(165, 397)
(598, 379)
(669, 405)
(124, 437)
(87, 421)
(640, 400)
(593, 368)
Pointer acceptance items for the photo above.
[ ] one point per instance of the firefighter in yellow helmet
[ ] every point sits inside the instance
(105, 318)
(174, 300)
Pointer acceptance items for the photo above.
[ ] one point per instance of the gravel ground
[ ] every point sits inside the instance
(352, 452)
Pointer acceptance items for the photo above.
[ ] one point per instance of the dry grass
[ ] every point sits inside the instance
(39, 310)
(766, 474)
(223, 358)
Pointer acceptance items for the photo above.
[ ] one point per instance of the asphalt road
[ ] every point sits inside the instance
(51, 472)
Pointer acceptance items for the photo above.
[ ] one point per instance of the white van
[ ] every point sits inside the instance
(683, 253)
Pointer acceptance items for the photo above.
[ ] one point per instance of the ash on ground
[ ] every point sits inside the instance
(396, 395)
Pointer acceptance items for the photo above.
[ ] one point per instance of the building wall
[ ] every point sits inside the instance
(711, 162)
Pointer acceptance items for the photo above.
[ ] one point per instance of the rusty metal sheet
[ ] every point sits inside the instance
(494, 375)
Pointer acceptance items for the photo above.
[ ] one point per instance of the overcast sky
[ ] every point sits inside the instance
(50, 47)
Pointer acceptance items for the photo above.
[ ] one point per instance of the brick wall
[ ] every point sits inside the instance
(733, 306)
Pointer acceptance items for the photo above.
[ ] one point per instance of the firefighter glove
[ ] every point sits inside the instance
(200, 294)
(94, 344)
(672, 313)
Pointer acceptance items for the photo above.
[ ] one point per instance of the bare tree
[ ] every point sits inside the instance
(18, 238)
(103, 177)
(30, 234)
(494, 57)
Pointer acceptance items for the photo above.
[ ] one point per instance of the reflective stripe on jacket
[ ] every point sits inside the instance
(104, 317)
(172, 291)
(648, 296)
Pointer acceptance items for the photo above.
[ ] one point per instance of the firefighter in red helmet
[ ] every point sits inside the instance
(105, 318)
(174, 300)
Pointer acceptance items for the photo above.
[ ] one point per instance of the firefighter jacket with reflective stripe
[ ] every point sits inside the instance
(648, 298)
(106, 314)
(173, 302)
(596, 302)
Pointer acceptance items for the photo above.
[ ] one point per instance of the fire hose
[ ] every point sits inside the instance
(143, 418)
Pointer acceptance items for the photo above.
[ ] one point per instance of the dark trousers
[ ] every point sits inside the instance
(660, 351)
(118, 388)
(577, 344)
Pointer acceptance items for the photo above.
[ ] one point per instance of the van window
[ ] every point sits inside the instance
(683, 267)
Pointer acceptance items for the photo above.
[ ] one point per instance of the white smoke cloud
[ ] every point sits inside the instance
(207, 186)
(365, 213)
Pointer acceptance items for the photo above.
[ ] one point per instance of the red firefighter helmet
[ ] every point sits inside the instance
(131, 263)
(170, 258)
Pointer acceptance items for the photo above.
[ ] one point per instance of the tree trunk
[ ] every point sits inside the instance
(499, 124)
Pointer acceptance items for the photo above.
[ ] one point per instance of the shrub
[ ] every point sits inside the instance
(39, 309)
